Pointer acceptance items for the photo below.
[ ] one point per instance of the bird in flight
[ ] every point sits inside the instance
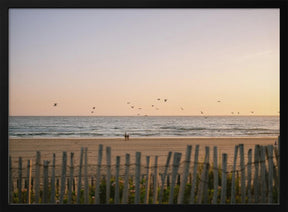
(158, 99)
(93, 108)
(181, 108)
(152, 105)
(218, 101)
(165, 100)
(55, 104)
(132, 107)
(201, 112)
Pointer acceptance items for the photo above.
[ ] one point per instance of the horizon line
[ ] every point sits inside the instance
(131, 115)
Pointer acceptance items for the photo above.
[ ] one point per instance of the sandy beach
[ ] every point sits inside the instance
(26, 148)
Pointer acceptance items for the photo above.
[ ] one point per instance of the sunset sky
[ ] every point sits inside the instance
(217, 61)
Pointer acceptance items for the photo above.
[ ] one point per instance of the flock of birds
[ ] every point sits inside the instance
(181, 108)
(156, 107)
(152, 105)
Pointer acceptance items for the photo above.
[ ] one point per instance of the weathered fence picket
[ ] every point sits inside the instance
(80, 175)
(203, 179)
(116, 193)
(137, 178)
(108, 176)
(205, 187)
(29, 177)
(263, 173)
(185, 175)
(256, 174)
(98, 174)
(243, 178)
(148, 177)
(215, 175)
(175, 167)
(276, 173)
(63, 177)
(45, 174)
(163, 176)
(270, 171)
(249, 195)
(224, 179)
(37, 177)
(52, 197)
(155, 181)
(126, 180)
(193, 187)
(233, 189)
(71, 178)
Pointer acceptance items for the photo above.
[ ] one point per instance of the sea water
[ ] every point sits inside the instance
(142, 126)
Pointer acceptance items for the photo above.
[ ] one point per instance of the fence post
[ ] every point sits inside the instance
(249, 175)
(233, 185)
(20, 180)
(215, 173)
(176, 162)
(37, 177)
(207, 166)
(86, 186)
(180, 198)
(79, 176)
(193, 187)
(148, 176)
(126, 180)
(10, 180)
(155, 183)
(116, 193)
(137, 178)
(52, 198)
(242, 165)
(263, 173)
(163, 177)
(45, 174)
(97, 187)
(108, 161)
(270, 176)
(256, 175)
(224, 178)
(63, 177)
(27, 182)
(71, 178)
(29, 177)
(202, 194)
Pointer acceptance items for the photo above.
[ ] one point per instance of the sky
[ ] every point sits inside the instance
(218, 61)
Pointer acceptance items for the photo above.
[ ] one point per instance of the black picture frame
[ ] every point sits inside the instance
(4, 77)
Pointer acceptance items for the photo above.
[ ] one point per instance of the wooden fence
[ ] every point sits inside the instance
(180, 181)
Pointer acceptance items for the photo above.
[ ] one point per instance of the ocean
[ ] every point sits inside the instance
(142, 126)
